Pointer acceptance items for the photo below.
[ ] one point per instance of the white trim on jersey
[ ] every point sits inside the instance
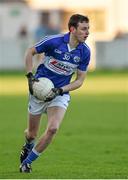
(86, 45)
(69, 48)
(46, 38)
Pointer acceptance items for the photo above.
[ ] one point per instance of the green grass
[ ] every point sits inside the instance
(91, 143)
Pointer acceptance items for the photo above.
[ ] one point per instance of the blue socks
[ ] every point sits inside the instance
(33, 155)
(29, 145)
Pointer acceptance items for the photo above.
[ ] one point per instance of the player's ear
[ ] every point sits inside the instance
(72, 28)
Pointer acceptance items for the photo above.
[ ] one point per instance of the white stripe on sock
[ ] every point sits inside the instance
(35, 151)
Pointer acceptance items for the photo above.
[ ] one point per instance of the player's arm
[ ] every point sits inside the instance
(77, 83)
(81, 74)
(28, 59)
(40, 47)
(29, 67)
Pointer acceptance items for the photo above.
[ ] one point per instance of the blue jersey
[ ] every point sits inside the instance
(60, 62)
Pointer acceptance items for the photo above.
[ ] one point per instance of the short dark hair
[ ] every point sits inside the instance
(75, 19)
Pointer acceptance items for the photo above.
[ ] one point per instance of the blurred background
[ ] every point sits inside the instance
(24, 22)
(92, 142)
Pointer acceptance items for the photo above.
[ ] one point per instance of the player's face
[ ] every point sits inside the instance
(81, 32)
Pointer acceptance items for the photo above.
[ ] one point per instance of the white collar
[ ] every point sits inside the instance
(69, 48)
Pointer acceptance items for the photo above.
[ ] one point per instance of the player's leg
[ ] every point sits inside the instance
(35, 109)
(33, 126)
(55, 117)
(55, 112)
(30, 135)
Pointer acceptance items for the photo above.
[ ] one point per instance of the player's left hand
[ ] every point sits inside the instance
(54, 92)
(31, 80)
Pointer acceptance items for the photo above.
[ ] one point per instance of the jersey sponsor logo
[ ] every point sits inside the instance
(60, 67)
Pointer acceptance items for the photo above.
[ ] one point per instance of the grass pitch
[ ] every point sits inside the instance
(91, 143)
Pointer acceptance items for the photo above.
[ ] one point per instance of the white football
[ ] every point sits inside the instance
(42, 89)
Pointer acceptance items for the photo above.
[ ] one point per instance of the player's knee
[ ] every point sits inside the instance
(52, 130)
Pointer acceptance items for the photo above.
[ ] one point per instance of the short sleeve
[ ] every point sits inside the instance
(43, 45)
(84, 61)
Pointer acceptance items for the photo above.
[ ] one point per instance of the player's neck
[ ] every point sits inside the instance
(73, 42)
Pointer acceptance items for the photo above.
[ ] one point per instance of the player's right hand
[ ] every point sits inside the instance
(54, 92)
(31, 80)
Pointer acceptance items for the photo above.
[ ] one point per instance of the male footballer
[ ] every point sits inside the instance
(65, 54)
